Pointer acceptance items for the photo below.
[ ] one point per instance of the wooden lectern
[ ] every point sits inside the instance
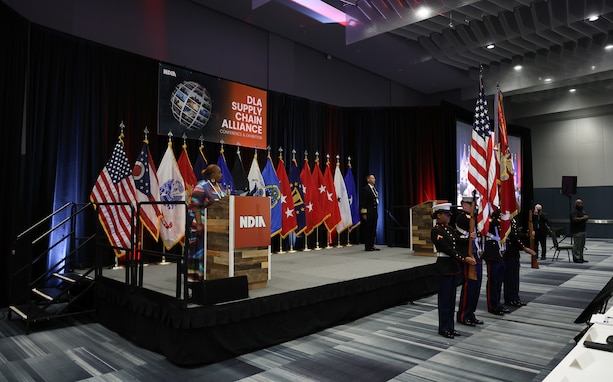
(237, 240)
(421, 226)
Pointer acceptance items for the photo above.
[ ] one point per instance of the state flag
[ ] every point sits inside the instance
(147, 190)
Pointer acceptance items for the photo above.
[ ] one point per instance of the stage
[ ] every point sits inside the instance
(308, 291)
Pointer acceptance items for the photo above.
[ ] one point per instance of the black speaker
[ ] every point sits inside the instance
(569, 185)
(217, 291)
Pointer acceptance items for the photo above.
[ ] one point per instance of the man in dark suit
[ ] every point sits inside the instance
(369, 201)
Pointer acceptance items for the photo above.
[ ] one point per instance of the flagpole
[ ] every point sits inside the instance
(306, 243)
(281, 245)
(338, 240)
(348, 235)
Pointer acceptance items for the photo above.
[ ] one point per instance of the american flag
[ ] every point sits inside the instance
(116, 185)
(483, 169)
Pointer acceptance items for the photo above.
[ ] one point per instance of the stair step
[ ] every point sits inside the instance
(71, 277)
(28, 311)
(51, 294)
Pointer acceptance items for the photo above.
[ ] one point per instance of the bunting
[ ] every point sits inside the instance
(352, 195)
(226, 183)
(330, 200)
(172, 189)
(343, 200)
(297, 197)
(289, 223)
(116, 185)
(508, 203)
(273, 191)
(147, 190)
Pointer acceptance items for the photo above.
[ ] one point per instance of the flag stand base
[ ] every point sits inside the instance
(164, 262)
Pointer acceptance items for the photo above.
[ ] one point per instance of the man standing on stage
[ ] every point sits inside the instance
(369, 201)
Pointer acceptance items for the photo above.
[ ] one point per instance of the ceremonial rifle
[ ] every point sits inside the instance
(472, 269)
(535, 262)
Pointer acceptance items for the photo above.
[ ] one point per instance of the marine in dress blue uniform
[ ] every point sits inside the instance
(495, 267)
(469, 294)
(449, 267)
(511, 265)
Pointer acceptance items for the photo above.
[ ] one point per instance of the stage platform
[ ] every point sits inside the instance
(308, 291)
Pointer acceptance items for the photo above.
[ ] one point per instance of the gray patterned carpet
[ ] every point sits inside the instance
(397, 344)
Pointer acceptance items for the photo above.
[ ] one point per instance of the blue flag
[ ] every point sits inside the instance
(273, 190)
(353, 198)
(298, 196)
(227, 183)
(201, 164)
(241, 183)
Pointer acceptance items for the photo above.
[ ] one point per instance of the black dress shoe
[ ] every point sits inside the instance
(522, 303)
(468, 323)
(446, 334)
(543, 258)
(497, 312)
(506, 310)
(478, 322)
(369, 249)
(584, 261)
(456, 333)
(375, 249)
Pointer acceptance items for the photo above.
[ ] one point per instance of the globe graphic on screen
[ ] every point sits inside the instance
(191, 105)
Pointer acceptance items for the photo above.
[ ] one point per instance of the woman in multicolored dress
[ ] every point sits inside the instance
(206, 192)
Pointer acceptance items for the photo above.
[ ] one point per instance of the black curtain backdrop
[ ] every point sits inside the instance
(71, 95)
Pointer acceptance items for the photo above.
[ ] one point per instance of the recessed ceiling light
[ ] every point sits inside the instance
(517, 67)
(609, 47)
(593, 67)
(423, 12)
(572, 90)
(548, 79)
(490, 46)
(593, 18)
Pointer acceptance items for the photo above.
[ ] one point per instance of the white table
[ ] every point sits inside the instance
(586, 364)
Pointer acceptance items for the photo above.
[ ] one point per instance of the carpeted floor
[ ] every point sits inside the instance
(397, 344)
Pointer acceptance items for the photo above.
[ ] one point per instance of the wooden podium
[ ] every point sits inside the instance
(237, 240)
(421, 226)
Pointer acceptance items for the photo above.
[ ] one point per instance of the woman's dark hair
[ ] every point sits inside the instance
(210, 170)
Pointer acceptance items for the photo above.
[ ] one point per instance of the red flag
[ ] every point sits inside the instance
(331, 200)
(187, 172)
(508, 202)
(116, 185)
(288, 215)
(309, 196)
(320, 198)
(483, 169)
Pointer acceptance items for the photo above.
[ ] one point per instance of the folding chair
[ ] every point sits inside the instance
(558, 248)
